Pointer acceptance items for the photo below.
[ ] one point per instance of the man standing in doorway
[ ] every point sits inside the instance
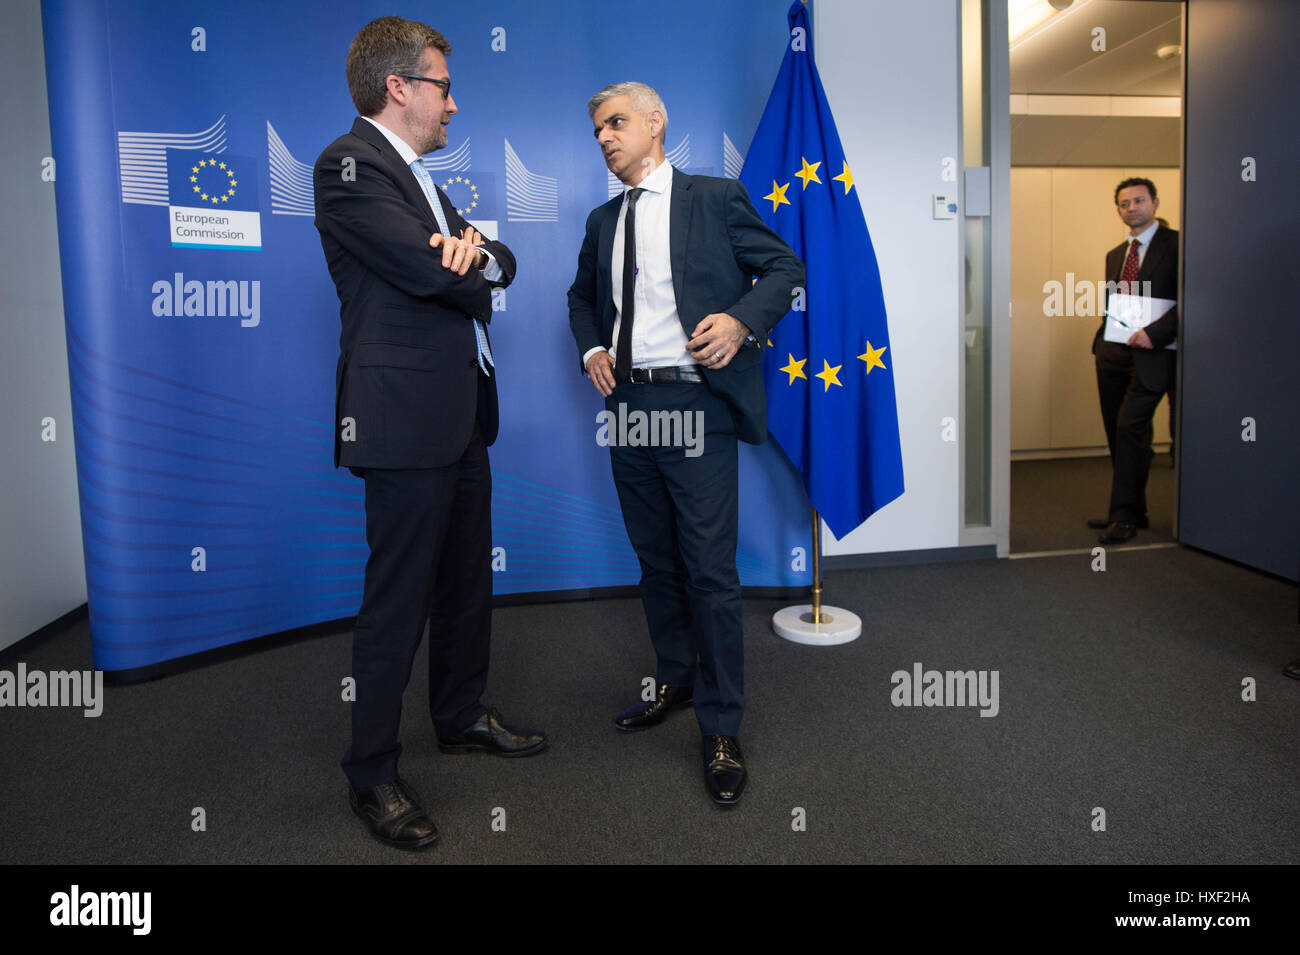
(1132, 377)
(667, 319)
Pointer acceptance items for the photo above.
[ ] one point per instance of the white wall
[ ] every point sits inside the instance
(42, 574)
(891, 75)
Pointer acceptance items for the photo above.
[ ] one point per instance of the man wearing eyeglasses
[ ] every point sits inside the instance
(415, 410)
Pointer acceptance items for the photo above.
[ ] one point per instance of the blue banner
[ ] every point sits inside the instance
(203, 326)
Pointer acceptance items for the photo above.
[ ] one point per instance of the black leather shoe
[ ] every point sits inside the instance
(724, 769)
(1118, 533)
(488, 734)
(1101, 523)
(393, 816)
(644, 714)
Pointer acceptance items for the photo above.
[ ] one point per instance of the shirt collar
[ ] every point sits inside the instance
(405, 151)
(658, 181)
(1145, 235)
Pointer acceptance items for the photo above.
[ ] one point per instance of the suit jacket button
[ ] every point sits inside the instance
(473, 362)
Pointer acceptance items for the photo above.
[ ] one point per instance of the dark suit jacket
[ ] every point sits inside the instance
(407, 373)
(1160, 268)
(717, 243)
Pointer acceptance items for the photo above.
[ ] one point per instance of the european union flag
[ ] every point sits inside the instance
(828, 370)
(217, 181)
(473, 193)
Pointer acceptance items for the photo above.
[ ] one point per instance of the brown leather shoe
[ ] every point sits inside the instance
(646, 713)
(393, 815)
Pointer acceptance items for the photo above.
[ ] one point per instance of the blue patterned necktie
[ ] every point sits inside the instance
(480, 333)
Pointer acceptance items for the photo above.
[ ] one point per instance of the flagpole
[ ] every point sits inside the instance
(815, 624)
(817, 567)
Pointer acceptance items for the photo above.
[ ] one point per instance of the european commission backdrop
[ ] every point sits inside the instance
(203, 326)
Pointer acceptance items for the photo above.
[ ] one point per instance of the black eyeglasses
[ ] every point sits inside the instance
(445, 84)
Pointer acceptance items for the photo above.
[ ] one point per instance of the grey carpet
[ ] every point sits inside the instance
(1052, 500)
(1118, 690)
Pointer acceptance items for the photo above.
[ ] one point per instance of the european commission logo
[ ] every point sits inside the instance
(210, 194)
(213, 201)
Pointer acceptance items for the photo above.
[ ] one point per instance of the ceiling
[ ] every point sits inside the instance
(1057, 58)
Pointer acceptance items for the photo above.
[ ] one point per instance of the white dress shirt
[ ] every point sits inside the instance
(658, 340)
(492, 271)
(1144, 241)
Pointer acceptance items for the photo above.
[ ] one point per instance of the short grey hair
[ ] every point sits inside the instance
(643, 97)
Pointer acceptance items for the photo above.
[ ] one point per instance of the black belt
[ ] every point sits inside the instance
(659, 376)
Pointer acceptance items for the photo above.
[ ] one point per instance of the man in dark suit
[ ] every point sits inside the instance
(668, 324)
(416, 408)
(1132, 377)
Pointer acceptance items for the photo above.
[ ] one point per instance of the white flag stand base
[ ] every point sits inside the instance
(837, 626)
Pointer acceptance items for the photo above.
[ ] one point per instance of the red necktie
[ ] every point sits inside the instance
(1128, 278)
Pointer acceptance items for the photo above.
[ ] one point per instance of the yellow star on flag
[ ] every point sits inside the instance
(845, 177)
(795, 369)
(808, 173)
(872, 357)
(223, 165)
(777, 195)
(827, 375)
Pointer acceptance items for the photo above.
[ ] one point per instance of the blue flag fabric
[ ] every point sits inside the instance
(827, 365)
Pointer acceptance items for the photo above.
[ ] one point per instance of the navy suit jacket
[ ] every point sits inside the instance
(407, 374)
(1159, 267)
(717, 244)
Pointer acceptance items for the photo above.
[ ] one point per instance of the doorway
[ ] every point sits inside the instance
(1096, 99)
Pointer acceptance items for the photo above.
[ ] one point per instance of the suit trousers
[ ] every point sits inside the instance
(430, 537)
(1114, 368)
(1133, 433)
(681, 510)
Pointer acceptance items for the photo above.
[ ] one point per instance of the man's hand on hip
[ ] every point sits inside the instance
(717, 338)
(601, 369)
(459, 254)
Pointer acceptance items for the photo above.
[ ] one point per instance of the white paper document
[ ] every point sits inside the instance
(1125, 314)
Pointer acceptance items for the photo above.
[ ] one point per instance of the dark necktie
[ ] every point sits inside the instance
(1128, 278)
(623, 358)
